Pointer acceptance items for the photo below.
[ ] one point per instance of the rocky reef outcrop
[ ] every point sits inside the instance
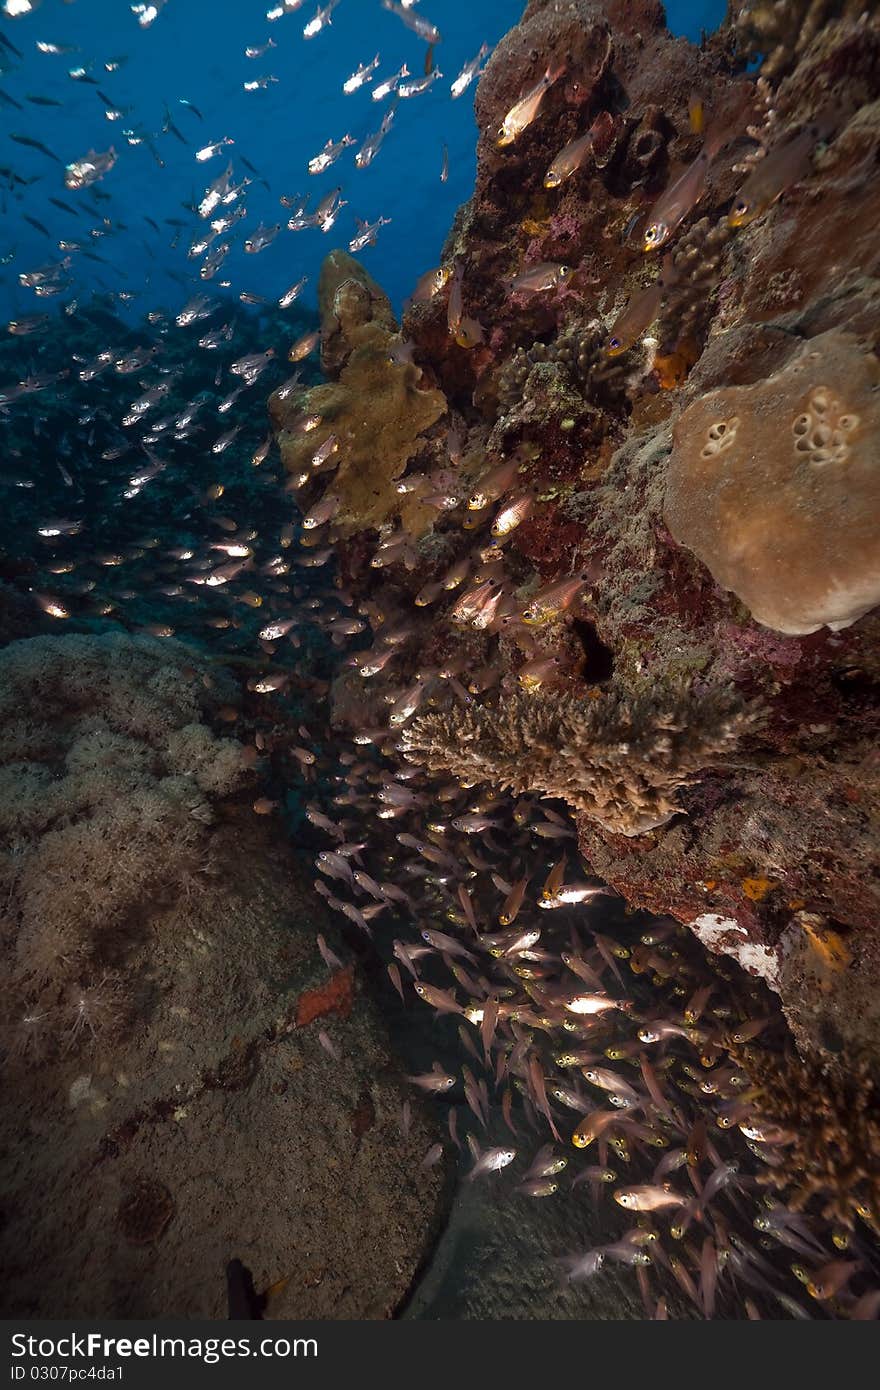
(687, 447)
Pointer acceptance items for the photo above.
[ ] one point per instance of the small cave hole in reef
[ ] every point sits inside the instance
(599, 659)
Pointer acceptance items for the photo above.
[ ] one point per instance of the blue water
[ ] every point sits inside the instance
(195, 50)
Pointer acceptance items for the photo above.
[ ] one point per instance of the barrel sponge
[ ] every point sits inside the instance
(776, 487)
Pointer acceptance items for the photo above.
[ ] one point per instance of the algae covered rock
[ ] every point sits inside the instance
(222, 1127)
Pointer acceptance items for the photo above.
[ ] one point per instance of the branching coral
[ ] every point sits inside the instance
(775, 487)
(105, 775)
(780, 31)
(697, 263)
(830, 1154)
(576, 351)
(619, 761)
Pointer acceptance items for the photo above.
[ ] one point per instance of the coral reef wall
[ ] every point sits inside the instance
(655, 473)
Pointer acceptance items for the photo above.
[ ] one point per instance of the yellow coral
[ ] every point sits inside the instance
(828, 945)
(758, 888)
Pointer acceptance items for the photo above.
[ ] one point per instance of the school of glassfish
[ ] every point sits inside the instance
(607, 1031)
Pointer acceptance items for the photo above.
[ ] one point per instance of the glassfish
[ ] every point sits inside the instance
(492, 1161)
(418, 84)
(441, 999)
(329, 154)
(367, 233)
(673, 206)
(468, 72)
(293, 293)
(524, 111)
(592, 1126)
(467, 332)
(434, 1082)
(590, 1004)
(370, 148)
(387, 86)
(649, 1197)
(545, 276)
(583, 1266)
(640, 312)
(319, 20)
(361, 75)
(91, 167)
(785, 165)
(420, 26)
(513, 902)
(569, 160)
(303, 346)
(548, 603)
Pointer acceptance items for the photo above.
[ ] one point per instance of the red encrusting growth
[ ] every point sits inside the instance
(335, 996)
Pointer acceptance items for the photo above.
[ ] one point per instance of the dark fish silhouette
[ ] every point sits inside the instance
(34, 145)
(7, 43)
(34, 223)
(244, 1301)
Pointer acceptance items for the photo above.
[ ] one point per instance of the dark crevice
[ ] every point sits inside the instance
(598, 659)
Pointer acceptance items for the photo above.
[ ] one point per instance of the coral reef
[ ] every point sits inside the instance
(690, 302)
(740, 308)
(107, 774)
(582, 557)
(779, 32)
(619, 762)
(603, 637)
(574, 353)
(775, 487)
(168, 1020)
